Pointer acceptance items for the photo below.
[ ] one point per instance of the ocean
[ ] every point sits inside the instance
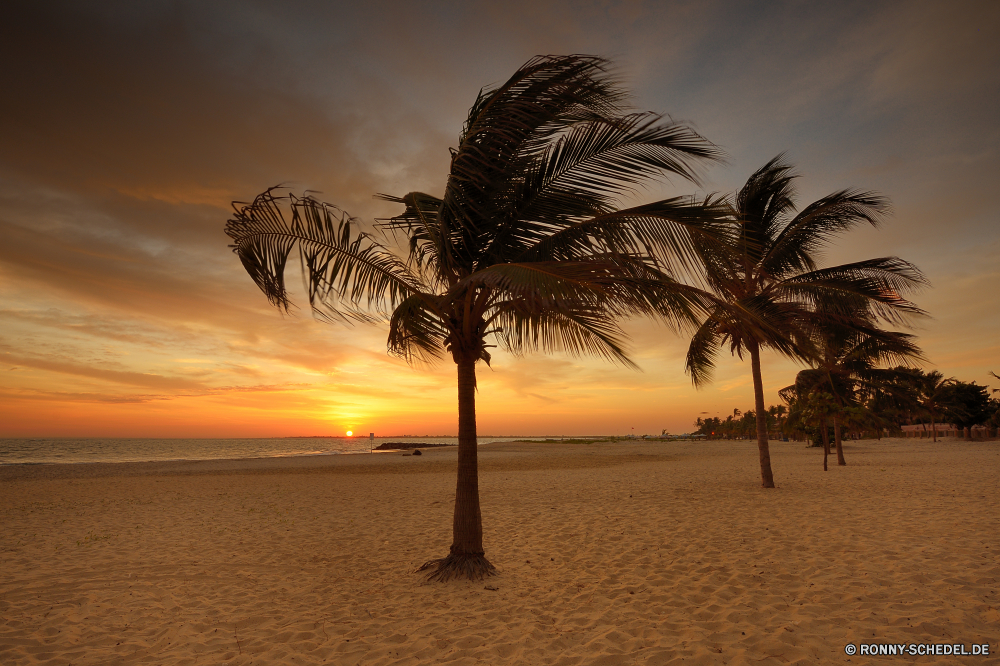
(108, 450)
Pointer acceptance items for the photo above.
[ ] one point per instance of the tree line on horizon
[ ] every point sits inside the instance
(822, 412)
(529, 249)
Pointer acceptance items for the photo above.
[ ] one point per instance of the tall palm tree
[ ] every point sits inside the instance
(769, 277)
(527, 247)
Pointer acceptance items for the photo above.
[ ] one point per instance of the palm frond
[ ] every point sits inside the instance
(876, 286)
(594, 162)
(620, 286)
(577, 333)
(762, 206)
(876, 347)
(768, 322)
(789, 394)
(427, 240)
(549, 148)
(678, 233)
(702, 351)
(543, 96)
(417, 331)
(348, 274)
(546, 95)
(811, 380)
(794, 248)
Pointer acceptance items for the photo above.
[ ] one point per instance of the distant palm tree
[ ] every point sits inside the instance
(932, 391)
(526, 247)
(778, 412)
(817, 408)
(850, 350)
(769, 277)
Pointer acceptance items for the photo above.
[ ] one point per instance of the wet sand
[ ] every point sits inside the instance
(613, 553)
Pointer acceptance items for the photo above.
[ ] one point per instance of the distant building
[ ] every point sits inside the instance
(924, 430)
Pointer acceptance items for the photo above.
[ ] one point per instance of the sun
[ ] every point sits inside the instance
(350, 433)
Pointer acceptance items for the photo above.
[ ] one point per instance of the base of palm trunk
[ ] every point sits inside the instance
(472, 566)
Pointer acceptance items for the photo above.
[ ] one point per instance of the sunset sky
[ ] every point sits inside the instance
(129, 127)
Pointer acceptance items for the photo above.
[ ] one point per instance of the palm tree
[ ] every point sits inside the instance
(748, 423)
(933, 389)
(778, 412)
(526, 248)
(966, 404)
(850, 350)
(817, 407)
(897, 401)
(769, 277)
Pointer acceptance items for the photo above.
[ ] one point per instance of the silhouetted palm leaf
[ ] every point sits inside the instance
(347, 275)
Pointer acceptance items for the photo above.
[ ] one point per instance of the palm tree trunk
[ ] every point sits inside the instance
(837, 438)
(467, 526)
(767, 478)
(826, 443)
(933, 428)
(467, 558)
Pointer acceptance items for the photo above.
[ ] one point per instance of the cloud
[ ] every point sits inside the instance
(131, 127)
(145, 380)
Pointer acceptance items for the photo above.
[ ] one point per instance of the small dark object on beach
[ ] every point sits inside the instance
(417, 452)
(404, 446)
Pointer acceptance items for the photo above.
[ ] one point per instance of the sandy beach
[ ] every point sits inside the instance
(612, 553)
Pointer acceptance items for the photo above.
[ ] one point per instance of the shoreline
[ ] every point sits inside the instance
(321, 460)
(438, 458)
(371, 461)
(80, 451)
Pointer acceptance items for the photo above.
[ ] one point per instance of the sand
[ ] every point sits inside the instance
(615, 553)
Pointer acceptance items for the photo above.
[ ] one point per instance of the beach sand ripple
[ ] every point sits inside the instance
(614, 553)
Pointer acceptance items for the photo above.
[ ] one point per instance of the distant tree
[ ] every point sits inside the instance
(858, 419)
(896, 401)
(792, 420)
(933, 389)
(778, 412)
(818, 407)
(994, 420)
(850, 348)
(966, 405)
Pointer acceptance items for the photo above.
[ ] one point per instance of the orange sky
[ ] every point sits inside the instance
(129, 127)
